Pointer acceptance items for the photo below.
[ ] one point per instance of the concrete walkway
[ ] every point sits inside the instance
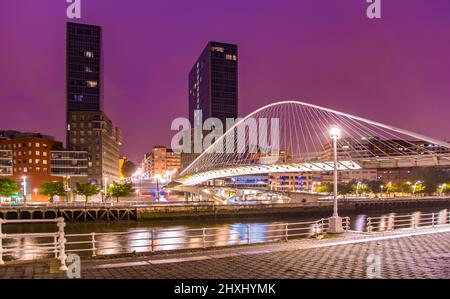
(423, 253)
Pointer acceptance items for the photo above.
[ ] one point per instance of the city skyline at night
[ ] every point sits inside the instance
(337, 59)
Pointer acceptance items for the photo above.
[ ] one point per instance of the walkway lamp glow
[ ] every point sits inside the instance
(335, 226)
(105, 187)
(24, 184)
(441, 189)
(358, 185)
(415, 187)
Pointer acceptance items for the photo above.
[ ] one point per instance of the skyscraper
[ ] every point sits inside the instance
(83, 67)
(213, 83)
(88, 127)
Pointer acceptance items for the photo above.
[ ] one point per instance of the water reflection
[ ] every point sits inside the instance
(190, 235)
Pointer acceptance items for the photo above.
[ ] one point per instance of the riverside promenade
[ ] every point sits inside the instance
(405, 254)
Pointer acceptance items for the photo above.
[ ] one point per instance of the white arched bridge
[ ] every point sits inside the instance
(293, 136)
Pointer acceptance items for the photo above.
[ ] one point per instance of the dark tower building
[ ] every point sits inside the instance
(213, 83)
(88, 128)
(83, 67)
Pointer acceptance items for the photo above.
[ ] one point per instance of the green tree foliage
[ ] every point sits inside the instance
(120, 190)
(445, 189)
(87, 190)
(421, 188)
(325, 188)
(52, 189)
(8, 187)
(374, 186)
(432, 178)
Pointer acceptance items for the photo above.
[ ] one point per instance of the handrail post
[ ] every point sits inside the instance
(369, 225)
(153, 240)
(432, 220)
(248, 234)
(1, 243)
(286, 235)
(94, 248)
(204, 238)
(55, 242)
(62, 244)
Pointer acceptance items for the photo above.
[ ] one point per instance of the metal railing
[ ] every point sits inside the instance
(49, 243)
(197, 238)
(94, 244)
(412, 221)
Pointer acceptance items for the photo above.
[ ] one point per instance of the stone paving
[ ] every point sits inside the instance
(417, 256)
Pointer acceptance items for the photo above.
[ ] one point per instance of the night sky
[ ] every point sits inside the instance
(327, 52)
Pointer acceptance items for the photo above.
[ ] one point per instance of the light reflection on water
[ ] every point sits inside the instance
(172, 236)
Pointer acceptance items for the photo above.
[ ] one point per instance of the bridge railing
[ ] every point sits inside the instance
(53, 243)
(412, 221)
(140, 241)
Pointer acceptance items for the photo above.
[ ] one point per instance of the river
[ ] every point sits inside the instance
(232, 232)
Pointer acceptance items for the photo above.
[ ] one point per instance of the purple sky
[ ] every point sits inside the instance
(326, 52)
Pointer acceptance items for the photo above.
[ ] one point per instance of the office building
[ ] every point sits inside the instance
(162, 162)
(33, 159)
(88, 127)
(213, 83)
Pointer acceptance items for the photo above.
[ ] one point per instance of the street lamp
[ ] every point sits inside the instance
(335, 220)
(441, 189)
(105, 187)
(357, 188)
(415, 187)
(157, 177)
(24, 184)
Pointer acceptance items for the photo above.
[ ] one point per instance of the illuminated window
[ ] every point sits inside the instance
(87, 69)
(38, 161)
(92, 84)
(38, 144)
(230, 57)
(45, 162)
(89, 54)
(38, 153)
(217, 49)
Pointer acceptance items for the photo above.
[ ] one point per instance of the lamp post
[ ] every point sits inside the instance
(415, 187)
(335, 226)
(157, 177)
(24, 185)
(357, 188)
(105, 188)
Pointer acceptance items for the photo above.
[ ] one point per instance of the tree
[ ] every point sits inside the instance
(374, 186)
(430, 177)
(120, 190)
(345, 188)
(446, 189)
(52, 189)
(392, 188)
(420, 188)
(325, 188)
(128, 169)
(87, 190)
(8, 187)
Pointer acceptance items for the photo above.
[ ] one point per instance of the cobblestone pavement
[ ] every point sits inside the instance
(412, 257)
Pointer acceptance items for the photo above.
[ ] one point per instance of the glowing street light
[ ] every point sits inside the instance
(24, 185)
(415, 187)
(335, 221)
